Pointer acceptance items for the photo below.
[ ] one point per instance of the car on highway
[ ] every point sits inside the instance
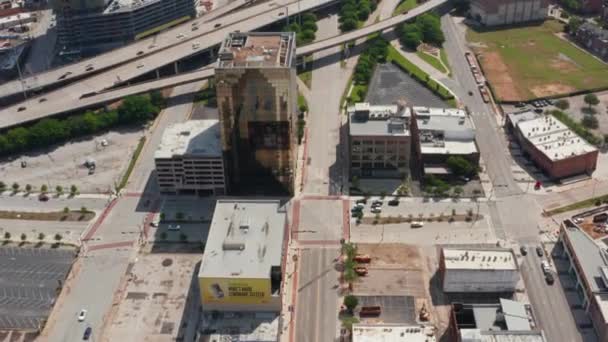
(89, 67)
(549, 278)
(82, 315)
(417, 224)
(470, 93)
(65, 75)
(523, 250)
(140, 65)
(539, 251)
(42, 99)
(217, 25)
(195, 46)
(139, 53)
(180, 36)
(194, 28)
(21, 109)
(87, 333)
(545, 266)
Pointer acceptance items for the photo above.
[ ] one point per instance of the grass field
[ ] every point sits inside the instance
(405, 6)
(434, 62)
(529, 62)
(444, 59)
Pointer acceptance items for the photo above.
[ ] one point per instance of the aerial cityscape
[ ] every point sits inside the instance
(304, 170)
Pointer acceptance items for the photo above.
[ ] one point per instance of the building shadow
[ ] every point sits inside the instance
(188, 326)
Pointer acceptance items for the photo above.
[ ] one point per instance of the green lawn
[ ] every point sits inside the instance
(434, 62)
(414, 71)
(405, 6)
(444, 59)
(538, 62)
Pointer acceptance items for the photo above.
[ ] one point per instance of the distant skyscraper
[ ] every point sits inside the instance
(257, 104)
(91, 25)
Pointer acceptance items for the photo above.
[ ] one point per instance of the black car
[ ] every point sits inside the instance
(549, 278)
(361, 201)
(393, 202)
(523, 250)
(87, 333)
(539, 251)
(520, 104)
(356, 209)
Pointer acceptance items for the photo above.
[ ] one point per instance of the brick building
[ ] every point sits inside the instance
(379, 141)
(594, 39)
(552, 146)
(508, 12)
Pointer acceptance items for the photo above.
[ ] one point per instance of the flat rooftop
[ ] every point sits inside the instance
(391, 333)
(245, 239)
(501, 336)
(431, 111)
(257, 50)
(479, 259)
(554, 139)
(190, 138)
(377, 120)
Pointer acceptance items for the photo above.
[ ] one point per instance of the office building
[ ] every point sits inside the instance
(489, 270)
(257, 104)
(552, 146)
(587, 263)
(441, 133)
(189, 159)
(243, 261)
(508, 12)
(507, 321)
(85, 27)
(379, 141)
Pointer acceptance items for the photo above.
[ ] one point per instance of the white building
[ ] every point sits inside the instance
(479, 270)
(242, 264)
(189, 159)
(391, 333)
(508, 12)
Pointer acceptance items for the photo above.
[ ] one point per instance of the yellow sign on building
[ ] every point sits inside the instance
(235, 290)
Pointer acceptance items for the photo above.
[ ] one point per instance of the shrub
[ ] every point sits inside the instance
(41, 236)
(562, 104)
(23, 237)
(7, 236)
(351, 302)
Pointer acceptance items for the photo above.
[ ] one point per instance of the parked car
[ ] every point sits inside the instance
(217, 25)
(356, 209)
(545, 266)
(361, 201)
(82, 315)
(43, 198)
(359, 205)
(377, 202)
(393, 202)
(139, 53)
(538, 110)
(539, 251)
(523, 250)
(417, 224)
(549, 278)
(87, 333)
(376, 210)
(23, 164)
(174, 227)
(520, 104)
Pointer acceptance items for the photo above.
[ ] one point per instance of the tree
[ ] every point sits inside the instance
(83, 210)
(458, 191)
(136, 108)
(410, 35)
(41, 236)
(591, 99)
(562, 104)
(15, 187)
(66, 210)
(23, 237)
(28, 188)
(162, 216)
(58, 237)
(350, 250)
(460, 166)
(7, 236)
(348, 24)
(590, 121)
(351, 302)
(430, 26)
(2, 186)
(157, 99)
(44, 188)
(73, 190)
(59, 189)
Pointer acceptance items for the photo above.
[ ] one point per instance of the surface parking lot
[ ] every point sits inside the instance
(29, 278)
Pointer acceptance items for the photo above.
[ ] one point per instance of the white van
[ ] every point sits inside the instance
(417, 224)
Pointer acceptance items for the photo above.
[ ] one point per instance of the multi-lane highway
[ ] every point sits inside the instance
(70, 97)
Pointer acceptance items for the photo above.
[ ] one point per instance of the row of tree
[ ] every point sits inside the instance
(425, 29)
(353, 11)
(43, 189)
(305, 29)
(133, 110)
(375, 53)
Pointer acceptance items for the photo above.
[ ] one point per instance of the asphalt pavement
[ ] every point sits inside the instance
(317, 296)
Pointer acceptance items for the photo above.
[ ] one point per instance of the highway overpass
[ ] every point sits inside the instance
(70, 98)
(166, 47)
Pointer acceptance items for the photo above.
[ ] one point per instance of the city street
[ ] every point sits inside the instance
(317, 295)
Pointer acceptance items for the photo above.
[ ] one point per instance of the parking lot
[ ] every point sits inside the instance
(29, 279)
(63, 164)
(160, 301)
(389, 84)
(438, 231)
